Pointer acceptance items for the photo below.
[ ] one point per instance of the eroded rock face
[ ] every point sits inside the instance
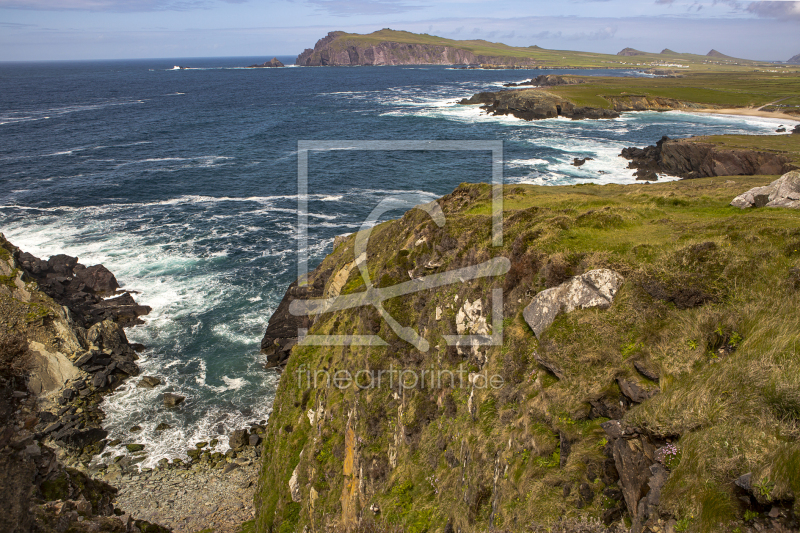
(688, 159)
(595, 288)
(783, 192)
(281, 334)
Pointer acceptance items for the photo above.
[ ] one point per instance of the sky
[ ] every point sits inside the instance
(123, 29)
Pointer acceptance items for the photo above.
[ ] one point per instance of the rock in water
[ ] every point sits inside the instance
(595, 288)
(148, 382)
(173, 400)
(272, 63)
(783, 192)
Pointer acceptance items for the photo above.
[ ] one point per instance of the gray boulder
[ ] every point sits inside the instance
(595, 288)
(239, 439)
(173, 400)
(783, 192)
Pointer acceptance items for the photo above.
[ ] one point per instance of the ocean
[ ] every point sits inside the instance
(183, 182)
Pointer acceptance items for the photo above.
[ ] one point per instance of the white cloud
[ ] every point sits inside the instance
(344, 8)
(775, 10)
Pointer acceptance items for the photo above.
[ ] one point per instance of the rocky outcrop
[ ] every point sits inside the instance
(338, 49)
(595, 288)
(83, 290)
(55, 366)
(691, 159)
(641, 476)
(629, 52)
(272, 63)
(547, 80)
(531, 104)
(783, 192)
(281, 334)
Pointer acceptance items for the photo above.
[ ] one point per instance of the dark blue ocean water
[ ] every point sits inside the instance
(184, 182)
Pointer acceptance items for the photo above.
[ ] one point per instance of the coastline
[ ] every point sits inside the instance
(747, 112)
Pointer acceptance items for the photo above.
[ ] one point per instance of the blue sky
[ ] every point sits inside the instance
(111, 29)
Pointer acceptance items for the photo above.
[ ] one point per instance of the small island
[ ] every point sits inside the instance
(272, 63)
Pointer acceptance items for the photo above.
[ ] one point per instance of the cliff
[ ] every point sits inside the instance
(641, 375)
(339, 49)
(62, 348)
(693, 158)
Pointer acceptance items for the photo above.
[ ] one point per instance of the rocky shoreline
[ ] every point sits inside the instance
(689, 158)
(538, 104)
(64, 349)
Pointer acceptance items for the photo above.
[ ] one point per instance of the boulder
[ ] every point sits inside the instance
(239, 439)
(254, 440)
(97, 278)
(783, 192)
(173, 400)
(595, 288)
(148, 382)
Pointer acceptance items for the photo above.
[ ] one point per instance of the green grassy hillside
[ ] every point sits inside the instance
(707, 320)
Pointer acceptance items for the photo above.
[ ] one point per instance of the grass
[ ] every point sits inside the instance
(709, 89)
(727, 366)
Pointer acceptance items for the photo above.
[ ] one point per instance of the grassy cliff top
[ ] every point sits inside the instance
(732, 89)
(560, 58)
(783, 144)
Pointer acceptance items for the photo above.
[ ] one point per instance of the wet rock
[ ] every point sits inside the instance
(148, 382)
(173, 400)
(134, 447)
(576, 162)
(783, 192)
(595, 288)
(254, 440)
(97, 279)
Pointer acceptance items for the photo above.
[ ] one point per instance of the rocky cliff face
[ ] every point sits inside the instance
(335, 50)
(690, 159)
(62, 347)
(596, 409)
